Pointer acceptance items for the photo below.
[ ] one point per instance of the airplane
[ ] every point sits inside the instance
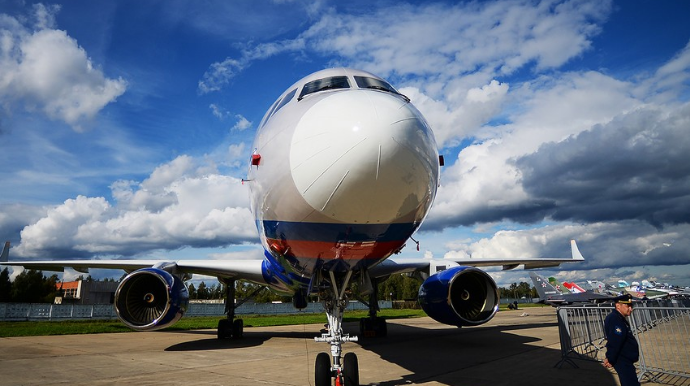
(651, 285)
(566, 287)
(557, 284)
(343, 171)
(641, 292)
(573, 287)
(551, 295)
(602, 288)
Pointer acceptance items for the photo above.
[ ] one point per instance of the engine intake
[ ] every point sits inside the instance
(459, 296)
(150, 299)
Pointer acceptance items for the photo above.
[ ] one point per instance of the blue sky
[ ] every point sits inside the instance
(125, 127)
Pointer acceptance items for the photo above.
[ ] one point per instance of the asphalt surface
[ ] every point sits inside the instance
(516, 348)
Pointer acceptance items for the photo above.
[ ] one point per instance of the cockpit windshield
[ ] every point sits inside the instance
(324, 84)
(376, 84)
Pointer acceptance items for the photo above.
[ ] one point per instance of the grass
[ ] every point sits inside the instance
(71, 327)
(43, 328)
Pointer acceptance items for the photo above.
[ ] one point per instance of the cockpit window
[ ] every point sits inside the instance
(324, 84)
(365, 82)
(285, 100)
(268, 115)
(377, 84)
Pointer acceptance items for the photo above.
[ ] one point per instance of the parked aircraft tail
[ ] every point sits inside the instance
(557, 284)
(5, 253)
(544, 288)
(573, 287)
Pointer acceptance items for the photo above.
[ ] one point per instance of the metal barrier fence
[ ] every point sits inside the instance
(40, 311)
(662, 329)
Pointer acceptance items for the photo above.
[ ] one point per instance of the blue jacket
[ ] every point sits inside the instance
(620, 342)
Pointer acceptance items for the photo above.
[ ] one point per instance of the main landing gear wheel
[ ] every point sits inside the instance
(228, 329)
(322, 370)
(237, 328)
(349, 374)
(224, 329)
(351, 369)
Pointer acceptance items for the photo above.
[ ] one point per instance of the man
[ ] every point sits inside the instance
(622, 350)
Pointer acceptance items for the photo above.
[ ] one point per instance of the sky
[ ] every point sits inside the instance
(126, 126)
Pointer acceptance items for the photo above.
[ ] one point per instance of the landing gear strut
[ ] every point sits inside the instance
(335, 300)
(373, 326)
(231, 327)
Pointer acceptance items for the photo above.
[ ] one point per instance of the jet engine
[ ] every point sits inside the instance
(459, 296)
(150, 299)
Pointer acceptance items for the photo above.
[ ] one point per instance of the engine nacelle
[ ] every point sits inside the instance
(459, 296)
(150, 299)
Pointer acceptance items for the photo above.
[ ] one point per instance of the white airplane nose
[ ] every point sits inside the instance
(365, 160)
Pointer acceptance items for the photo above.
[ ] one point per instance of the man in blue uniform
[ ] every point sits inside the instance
(622, 350)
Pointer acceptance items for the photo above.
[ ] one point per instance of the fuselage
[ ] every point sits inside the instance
(344, 170)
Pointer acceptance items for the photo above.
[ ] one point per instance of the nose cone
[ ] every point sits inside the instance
(365, 157)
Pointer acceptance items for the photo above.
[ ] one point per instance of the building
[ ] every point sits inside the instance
(86, 292)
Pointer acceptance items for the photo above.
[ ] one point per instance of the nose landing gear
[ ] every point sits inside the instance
(345, 372)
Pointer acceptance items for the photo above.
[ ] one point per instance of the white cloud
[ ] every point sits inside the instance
(46, 70)
(177, 205)
(242, 123)
(218, 111)
(221, 73)
(452, 123)
(604, 245)
(447, 58)
(484, 184)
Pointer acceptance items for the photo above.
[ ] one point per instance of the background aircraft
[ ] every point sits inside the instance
(551, 295)
(343, 171)
(641, 292)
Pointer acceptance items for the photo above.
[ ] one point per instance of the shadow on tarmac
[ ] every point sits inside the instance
(474, 356)
(495, 355)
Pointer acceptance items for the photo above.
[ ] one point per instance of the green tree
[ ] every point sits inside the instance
(399, 287)
(31, 286)
(202, 292)
(192, 291)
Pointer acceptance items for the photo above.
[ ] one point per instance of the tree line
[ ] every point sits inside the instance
(31, 286)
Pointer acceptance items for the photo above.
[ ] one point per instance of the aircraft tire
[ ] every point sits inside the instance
(237, 329)
(381, 327)
(351, 369)
(322, 370)
(223, 328)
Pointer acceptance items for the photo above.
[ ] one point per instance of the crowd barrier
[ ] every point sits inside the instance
(662, 329)
(41, 311)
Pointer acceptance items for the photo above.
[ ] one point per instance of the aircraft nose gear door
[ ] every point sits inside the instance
(346, 371)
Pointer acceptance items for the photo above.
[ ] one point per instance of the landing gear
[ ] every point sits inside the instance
(373, 326)
(350, 369)
(323, 370)
(230, 327)
(335, 299)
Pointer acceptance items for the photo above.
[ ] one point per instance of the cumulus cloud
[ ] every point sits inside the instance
(242, 123)
(450, 70)
(221, 73)
(178, 205)
(44, 69)
(606, 246)
(460, 38)
(635, 167)
(488, 183)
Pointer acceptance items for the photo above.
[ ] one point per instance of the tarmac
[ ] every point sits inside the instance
(515, 348)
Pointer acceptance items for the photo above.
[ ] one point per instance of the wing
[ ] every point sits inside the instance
(431, 266)
(232, 269)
